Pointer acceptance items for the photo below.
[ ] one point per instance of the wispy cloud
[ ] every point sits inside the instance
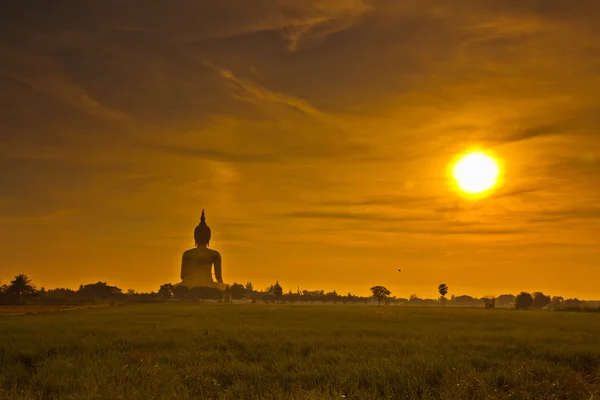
(354, 216)
(211, 154)
(41, 74)
(250, 91)
(314, 21)
(569, 214)
(34, 219)
(375, 201)
(535, 132)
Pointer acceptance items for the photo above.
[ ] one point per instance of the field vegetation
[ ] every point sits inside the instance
(191, 350)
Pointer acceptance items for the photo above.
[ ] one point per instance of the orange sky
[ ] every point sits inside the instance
(315, 133)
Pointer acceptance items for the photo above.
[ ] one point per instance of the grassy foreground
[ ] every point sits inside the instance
(185, 351)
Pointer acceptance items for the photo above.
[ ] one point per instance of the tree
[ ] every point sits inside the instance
(4, 294)
(21, 285)
(573, 302)
(131, 292)
(443, 289)
(489, 302)
(181, 292)
(464, 300)
(505, 300)
(250, 291)
(523, 301)
(540, 300)
(166, 291)
(99, 290)
(380, 293)
(238, 291)
(277, 290)
(557, 302)
(61, 295)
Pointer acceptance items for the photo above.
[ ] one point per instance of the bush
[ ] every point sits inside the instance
(523, 301)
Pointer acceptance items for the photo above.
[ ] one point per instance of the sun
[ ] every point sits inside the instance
(476, 172)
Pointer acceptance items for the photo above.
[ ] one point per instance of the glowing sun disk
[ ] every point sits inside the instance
(476, 172)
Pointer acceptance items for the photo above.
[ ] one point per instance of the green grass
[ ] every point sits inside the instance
(185, 350)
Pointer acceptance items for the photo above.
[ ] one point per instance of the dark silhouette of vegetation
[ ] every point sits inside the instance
(19, 290)
(505, 300)
(238, 291)
(443, 290)
(466, 301)
(489, 302)
(415, 300)
(20, 286)
(22, 291)
(181, 292)
(380, 293)
(277, 291)
(557, 302)
(166, 291)
(523, 301)
(540, 300)
(100, 290)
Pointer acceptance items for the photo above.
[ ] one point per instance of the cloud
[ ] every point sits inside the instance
(48, 218)
(352, 216)
(249, 91)
(375, 201)
(476, 231)
(298, 22)
(515, 192)
(314, 21)
(535, 132)
(211, 154)
(41, 74)
(573, 214)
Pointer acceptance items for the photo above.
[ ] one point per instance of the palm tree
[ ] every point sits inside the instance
(21, 285)
(443, 289)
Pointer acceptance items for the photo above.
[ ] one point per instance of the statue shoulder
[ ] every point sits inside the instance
(215, 253)
(188, 253)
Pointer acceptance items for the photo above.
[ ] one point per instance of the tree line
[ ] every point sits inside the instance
(21, 290)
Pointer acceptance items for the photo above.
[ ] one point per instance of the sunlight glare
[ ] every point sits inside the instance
(476, 172)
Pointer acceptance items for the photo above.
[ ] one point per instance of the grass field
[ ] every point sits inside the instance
(194, 350)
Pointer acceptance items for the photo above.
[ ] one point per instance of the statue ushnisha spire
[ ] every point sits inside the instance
(202, 232)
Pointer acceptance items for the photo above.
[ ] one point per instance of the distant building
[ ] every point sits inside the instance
(277, 290)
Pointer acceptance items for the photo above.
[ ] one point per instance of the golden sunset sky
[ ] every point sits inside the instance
(316, 134)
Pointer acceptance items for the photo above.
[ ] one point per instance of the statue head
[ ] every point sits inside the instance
(202, 232)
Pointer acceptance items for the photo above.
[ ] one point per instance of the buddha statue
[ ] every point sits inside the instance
(197, 263)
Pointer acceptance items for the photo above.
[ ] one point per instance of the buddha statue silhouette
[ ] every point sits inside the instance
(197, 263)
